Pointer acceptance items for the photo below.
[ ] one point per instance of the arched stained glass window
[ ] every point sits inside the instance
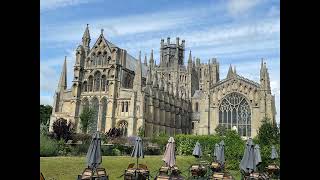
(84, 86)
(234, 110)
(97, 77)
(90, 83)
(95, 107)
(103, 83)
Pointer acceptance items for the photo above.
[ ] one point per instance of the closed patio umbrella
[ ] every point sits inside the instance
(216, 151)
(257, 156)
(137, 151)
(220, 157)
(247, 161)
(94, 158)
(169, 155)
(197, 152)
(274, 154)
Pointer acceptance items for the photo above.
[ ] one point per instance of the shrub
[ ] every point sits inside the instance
(161, 140)
(62, 129)
(48, 147)
(116, 152)
(79, 149)
(63, 148)
(234, 149)
(84, 138)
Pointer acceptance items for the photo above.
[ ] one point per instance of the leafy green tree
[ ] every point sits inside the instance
(87, 118)
(141, 131)
(268, 133)
(45, 113)
(221, 130)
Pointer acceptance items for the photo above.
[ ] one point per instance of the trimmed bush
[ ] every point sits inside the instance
(48, 147)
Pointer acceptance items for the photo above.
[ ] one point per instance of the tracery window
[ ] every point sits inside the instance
(103, 83)
(97, 77)
(84, 86)
(234, 110)
(123, 126)
(90, 83)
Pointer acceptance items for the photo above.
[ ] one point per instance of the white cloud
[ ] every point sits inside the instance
(50, 70)
(54, 4)
(240, 7)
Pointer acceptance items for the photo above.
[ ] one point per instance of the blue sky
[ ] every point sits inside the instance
(237, 32)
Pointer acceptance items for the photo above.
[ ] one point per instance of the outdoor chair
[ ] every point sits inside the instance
(273, 170)
(130, 166)
(86, 174)
(221, 176)
(102, 174)
(41, 176)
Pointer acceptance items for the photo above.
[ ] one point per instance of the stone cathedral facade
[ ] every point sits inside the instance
(169, 97)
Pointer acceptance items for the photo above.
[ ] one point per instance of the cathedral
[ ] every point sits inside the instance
(170, 97)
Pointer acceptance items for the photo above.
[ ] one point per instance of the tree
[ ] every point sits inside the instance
(87, 118)
(141, 131)
(268, 133)
(45, 113)
(220, 130)
(62, 129)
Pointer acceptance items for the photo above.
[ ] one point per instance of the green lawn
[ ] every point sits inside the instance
(68, 168)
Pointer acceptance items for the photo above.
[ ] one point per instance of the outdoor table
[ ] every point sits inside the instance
(221, 176)
(198, 170)
(131, 173)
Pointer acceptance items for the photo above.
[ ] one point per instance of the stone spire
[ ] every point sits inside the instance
(149, 76)
(145, 60)
(190, 61)
(86, 38)
(264, 77)
(230, 72)
(234, 70)
(151, 61)
(138, 75)
(63, 77)
(155, 80)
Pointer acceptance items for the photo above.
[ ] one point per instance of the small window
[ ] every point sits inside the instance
(122, 106)
(127, 107)
(197, 107)
(192, 125)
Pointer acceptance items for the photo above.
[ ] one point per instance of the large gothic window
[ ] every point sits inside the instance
(103, 114)
(97, 77)
(234, 110)
(84, 86)
(123, 126)
(95, 107)
(90, 83)
(103, 83)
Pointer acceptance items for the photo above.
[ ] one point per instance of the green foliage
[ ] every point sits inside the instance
(186, 143)
(84, 138)
(161, 140)
(221, 130)
(87, 118)
(79, 149)
(234, 149)
(48, 147)
(116, 152)
(268, 133)
(141, 131)
(44, 129)
(45, 113)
